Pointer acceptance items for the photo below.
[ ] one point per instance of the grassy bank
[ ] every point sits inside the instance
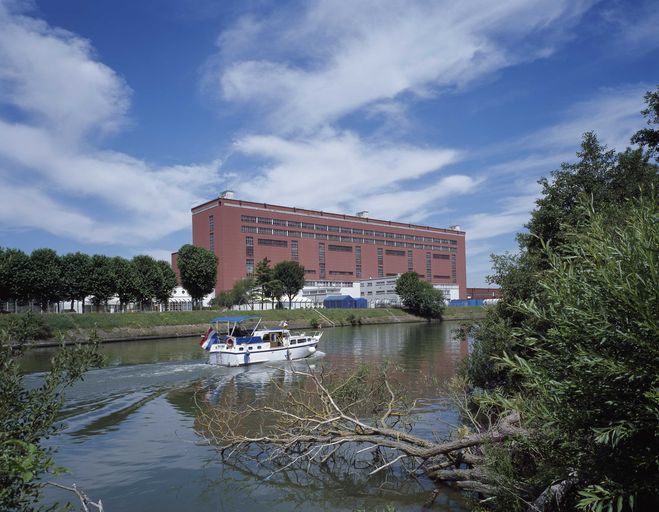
(133, 325)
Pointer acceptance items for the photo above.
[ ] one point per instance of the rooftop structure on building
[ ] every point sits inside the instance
(335, 249)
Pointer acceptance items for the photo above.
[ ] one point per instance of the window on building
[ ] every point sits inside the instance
(428, 267)
(410, 261)
(247, 218)
(321, 259)
(335, 229)
(340, 273)
(392, 252)
(293, 224)
(358, 261)
(380, 262)
(263, 220)
(211, 224)
(211, 242)
(248, 229)
(249, 266)
(454, 272)
(340, 248)
(273, 243)
(294, 251)
(441, 256)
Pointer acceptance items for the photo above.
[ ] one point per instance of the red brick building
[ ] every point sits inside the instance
(332, 247)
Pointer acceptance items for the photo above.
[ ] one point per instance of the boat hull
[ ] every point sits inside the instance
(233, 356)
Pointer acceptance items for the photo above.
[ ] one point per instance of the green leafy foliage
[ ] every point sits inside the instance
(573, 343)
(76, 268)
(419, 297)
(166, 284)
(198, 269)
(14, 273)
(28, 415)
(649, 137)
(291, 276)
(149, 278)
(45, 277)
(102, 279)
(127, 280)
(594, 371)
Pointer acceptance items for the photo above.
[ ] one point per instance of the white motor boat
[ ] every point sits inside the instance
(230, 343)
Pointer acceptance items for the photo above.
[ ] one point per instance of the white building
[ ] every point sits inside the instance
(180, 300)
(381, 291)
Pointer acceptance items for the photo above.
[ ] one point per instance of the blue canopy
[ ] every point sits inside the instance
(233, 318)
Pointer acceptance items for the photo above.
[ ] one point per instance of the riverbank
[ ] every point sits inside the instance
(144, 326)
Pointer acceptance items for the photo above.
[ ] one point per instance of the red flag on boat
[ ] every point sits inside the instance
(205, 336)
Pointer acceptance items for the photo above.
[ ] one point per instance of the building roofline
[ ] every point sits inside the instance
(315, 213)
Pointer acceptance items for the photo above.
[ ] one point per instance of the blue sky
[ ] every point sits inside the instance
(116, 117)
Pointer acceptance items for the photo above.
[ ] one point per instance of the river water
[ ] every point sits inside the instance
(129, 435)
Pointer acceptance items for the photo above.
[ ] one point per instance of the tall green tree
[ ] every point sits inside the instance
(76, 268)
(167, 283)
(102, 280)
(14, 273)
(198, 269)
(588, 383)
(273, 290)
(602, 175)
(291, 276)
(648, 138)
(45, 277)
(127, 281)
(243, 291)
(608, 181)
(263, 275)
(420, 297)
(149, 279)
(569, 342)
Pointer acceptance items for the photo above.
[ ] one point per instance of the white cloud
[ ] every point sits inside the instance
(612, 113)
(51, 75)
(62, 97)
(513, 214)
(341, 172)
(337, 57)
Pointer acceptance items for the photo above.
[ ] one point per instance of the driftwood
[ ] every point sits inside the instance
(354, 420)
(85, 501)
(553, 496)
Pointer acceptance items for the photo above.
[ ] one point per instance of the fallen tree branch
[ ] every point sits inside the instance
(552, 497)
(85, 501)
(319, 419)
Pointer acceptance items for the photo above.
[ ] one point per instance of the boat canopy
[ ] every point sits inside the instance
(233, 318)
